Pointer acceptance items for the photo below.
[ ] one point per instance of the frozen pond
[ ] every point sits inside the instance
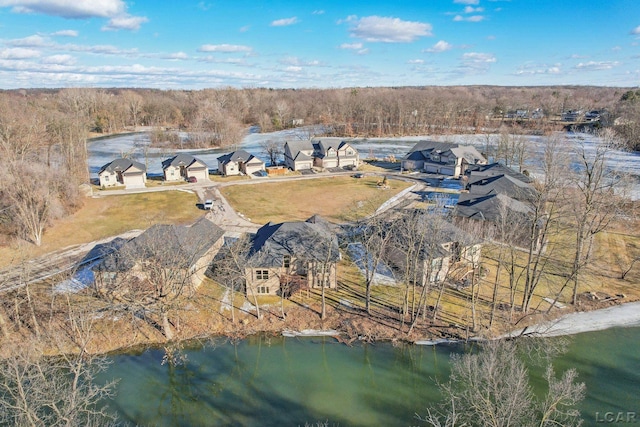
(104, 150)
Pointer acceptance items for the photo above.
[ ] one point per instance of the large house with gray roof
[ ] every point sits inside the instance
(292, 255)
(442, 158)
(123, 172)
(321, 153)
(181, 254)
(184, 166)
(501, 184)
(239, 162)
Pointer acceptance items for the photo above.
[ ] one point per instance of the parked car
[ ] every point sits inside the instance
(208, 204)
(358, 175)
(192, 179)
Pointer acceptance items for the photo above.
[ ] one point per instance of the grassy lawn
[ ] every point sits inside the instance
(337, 199)
(108, 216)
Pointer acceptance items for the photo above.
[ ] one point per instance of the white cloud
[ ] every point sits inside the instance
(177, 56)
(471, 9)
(318, 12)
(66, 33)
(293, 69)
(115, 10)
(578, 56)
(479, 57)
(441, 46)
(539, 69)
(415, 61)
(466, 1)
(476, 63)
(474, 18)
(363, 51)
(224, 48)
(19, 53)
(214, 60)
(352, 46)
(245, 28)
(31, 41)
(125, 22)
(597, 65)
(636, 31)
(59, 60)
(295, 61)
(284, 22)
(389, 30)
(75, 9)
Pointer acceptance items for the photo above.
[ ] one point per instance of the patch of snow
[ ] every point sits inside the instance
(383, 274)
(624, 315)
(310, 333)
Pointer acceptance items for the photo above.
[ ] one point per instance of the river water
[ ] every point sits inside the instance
(275, 381)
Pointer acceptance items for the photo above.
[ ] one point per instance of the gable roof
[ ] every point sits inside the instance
(181, 159)
(502, 184)
(175, 246)
(311, 239)
(239, 156)
(490, 207)
(437, 239)
(432, 145)
(122, 165)
(296, 149)
(497, 169)
(423, 149)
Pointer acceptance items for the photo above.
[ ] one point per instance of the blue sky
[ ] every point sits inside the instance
(182, 44)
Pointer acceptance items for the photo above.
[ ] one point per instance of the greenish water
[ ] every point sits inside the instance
(286, 381)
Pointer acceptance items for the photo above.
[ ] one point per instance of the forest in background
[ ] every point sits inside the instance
(43, 132)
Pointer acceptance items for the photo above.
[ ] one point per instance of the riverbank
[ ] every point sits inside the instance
(623, 315)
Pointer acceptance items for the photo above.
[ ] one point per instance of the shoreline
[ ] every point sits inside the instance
(622, 315)
(618, 316)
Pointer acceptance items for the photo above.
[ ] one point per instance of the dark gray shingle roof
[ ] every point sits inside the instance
(311, 239)
(174, 246)
(236, 156)
(181, 159)
(121, 165)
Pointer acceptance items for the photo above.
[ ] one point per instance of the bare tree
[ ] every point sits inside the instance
(155, 271)
(229, 267)
(512, 150)
(37, 195)
(371, 241)
(491, 388)
(58, 390)
(274, 150)
(595, 204)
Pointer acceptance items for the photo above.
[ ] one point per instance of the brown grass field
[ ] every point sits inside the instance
(108, 216)
(337, 199)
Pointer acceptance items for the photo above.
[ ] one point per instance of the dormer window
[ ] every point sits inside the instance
(286, 261)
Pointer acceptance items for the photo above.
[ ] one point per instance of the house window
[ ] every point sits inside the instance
(286, 261)
(172, 172)
(263, 289)
(106, 178)
(262, 274)
(435, 157)
(349, 153)
(436, 265)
